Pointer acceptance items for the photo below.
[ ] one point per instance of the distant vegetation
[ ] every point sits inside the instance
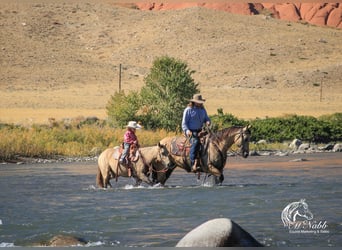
(44, 141)
(324, 129)
(159, 106)
(90, 138)
(161, 101)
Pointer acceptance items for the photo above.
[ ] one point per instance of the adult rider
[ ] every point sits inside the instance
(194, 117)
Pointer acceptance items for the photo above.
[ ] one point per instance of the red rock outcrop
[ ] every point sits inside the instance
(322, 14)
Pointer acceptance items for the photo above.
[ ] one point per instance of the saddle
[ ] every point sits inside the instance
(132, 156)
(180, 146)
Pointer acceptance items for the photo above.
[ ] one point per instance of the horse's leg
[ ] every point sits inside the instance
(106, 181)
(217, 173)
(221, 179)
(107, 177)
(111, 173)
(99, 178)
(214, 171)
(137, 182)
(103, 178)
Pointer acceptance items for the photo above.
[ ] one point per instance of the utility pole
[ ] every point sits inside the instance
(120, 78)
(321, 91)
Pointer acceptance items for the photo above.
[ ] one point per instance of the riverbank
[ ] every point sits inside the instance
(256, 159)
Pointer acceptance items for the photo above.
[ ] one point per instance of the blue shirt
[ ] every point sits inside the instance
(194, 118)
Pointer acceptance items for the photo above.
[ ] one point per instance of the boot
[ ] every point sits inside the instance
(194, 166)
(129, 170)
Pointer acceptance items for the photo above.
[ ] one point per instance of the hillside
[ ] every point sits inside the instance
(61, 59)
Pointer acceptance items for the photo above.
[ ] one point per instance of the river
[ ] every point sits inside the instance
(39, 201)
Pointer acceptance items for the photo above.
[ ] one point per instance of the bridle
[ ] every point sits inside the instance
(164, 170)
(150, 166)
(241, 134)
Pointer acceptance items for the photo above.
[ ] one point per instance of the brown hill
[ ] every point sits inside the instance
(61, 59)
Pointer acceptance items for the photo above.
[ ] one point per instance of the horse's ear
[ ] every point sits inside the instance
(249, 126)
(159, 145)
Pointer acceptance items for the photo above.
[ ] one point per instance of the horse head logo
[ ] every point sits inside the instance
(296, 212)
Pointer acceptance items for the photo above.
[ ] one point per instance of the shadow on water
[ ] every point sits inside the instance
(41, 201)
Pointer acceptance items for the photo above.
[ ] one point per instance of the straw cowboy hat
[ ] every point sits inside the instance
(133, 124)
(197, 98)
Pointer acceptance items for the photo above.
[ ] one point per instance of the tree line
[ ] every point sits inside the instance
(159, 107)
(167, 90)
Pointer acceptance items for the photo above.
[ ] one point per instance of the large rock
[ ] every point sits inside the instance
(65, 241)
(337, 148)
(288, 12)
(304, 146)
(334, 19)
(295, 144)
(221, 232)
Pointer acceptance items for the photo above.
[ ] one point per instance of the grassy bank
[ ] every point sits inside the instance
(90, 137)
(46, 142)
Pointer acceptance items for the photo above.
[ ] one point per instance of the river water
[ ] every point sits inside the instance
(39, 201)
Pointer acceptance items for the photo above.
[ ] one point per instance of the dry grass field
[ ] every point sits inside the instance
(61, 59)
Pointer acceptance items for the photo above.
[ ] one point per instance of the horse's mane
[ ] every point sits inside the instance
(223, 133)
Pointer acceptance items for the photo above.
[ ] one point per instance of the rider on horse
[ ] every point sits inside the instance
(194, 117)
(130, 140)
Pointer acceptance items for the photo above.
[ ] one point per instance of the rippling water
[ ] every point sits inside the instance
(40, 201)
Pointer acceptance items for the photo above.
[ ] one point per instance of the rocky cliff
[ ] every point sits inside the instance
(322, 14)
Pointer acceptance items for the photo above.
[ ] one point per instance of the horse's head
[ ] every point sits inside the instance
(242, 139)
(163, 155)
(162, 166)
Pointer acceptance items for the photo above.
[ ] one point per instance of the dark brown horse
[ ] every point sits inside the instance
(214, 150)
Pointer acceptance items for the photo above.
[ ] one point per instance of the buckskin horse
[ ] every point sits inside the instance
(214, 149)
(147, 160)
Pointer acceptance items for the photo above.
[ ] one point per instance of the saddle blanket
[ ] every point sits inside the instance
(180, 146)
(117, 152)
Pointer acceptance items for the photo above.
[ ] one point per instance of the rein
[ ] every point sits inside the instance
(233, 134)
(144, 161)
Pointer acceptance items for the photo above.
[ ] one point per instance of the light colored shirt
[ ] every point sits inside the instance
(194, 118)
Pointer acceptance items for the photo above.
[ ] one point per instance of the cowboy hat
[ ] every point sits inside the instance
(197, 98)
(133, 124)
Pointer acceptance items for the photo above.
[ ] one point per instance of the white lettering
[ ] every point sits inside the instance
(319, 225)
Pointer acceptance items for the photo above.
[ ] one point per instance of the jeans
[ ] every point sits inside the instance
(125, 151)
(195, 146)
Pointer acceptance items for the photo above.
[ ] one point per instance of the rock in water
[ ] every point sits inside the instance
(221, 232)
(65, 241)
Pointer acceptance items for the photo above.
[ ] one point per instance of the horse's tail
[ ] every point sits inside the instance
(99, 178)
